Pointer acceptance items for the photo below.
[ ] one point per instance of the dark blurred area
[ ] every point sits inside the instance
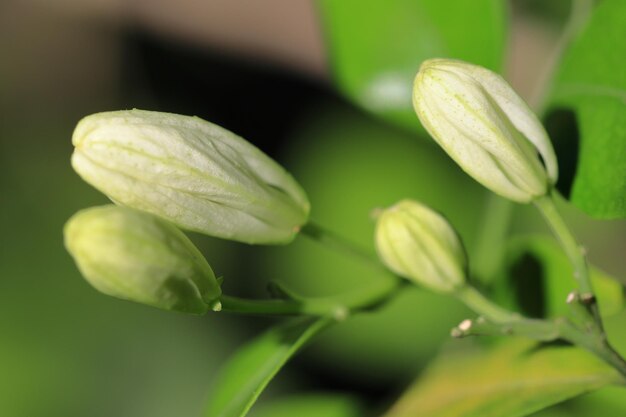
(260, 71)
(259, 101)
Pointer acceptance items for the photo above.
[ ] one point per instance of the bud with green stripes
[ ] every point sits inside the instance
(419, 244)
(477, 118)
(139, 257)
(193, 173)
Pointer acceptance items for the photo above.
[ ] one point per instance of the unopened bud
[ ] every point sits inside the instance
(418, 243)
(136, 256)
(193, 173)
(485, 127)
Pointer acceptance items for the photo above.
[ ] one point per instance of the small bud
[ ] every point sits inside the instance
(456, 333)
(193, 173)
(462, 330)
(465, 325)
(572, 297)
(479, 120)
(587, 298)
(136, 256)
(419, 244)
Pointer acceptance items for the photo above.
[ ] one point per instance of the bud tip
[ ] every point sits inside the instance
(216, 306)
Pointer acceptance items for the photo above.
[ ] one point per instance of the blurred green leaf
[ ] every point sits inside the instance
(310, 405)
(376, 47)
(591, 81)
(607, 402)
(247, 373)
(63, 343)
(350, 164)
(537, 264)
(511, 379)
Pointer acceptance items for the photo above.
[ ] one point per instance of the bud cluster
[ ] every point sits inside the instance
(166, 170)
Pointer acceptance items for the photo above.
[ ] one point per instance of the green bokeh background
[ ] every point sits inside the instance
(66, 350)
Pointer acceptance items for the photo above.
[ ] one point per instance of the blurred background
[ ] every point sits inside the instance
(290, 77)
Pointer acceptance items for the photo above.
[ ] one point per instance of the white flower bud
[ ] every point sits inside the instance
(418, 243)
(136, 256)
(485, 127)
(193, 173)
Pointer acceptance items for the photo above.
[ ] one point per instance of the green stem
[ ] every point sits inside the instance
(596, 344)
(574, 252)
(580, 314)
(592, 337)
(535, 329)
(339, 306)
(580, 10)
(271, 307)
(544, 331)
(562, 232)
(472, 298)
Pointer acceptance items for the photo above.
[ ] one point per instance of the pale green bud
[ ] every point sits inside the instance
(193, 173)
(485, 127)
(136, 256)
(419, 244)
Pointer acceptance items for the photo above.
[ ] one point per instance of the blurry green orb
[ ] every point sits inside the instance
(350, 165)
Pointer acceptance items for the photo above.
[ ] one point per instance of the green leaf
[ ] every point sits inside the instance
(376, 47)
(591, 81)
(311, 405)
(247, 374)
(609, 401)
(511, 379)
(375, 166)
(537, 264)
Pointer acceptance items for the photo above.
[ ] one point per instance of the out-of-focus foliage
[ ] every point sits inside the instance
(537, 279)
(510, 379)
(67, 350)
(250, 370)
(376, 47)
(311, 405)
(346, 161)
(608, 401)
(591, 81)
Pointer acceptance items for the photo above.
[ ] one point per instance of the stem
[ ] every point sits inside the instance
(339, 306)
(247, 306)
(565, 237)
(598, 345)
(535, 329)
(544, 331)
(490, 242)
(579, 14)
(574, 252)
(485, 307)
(579, 312)
(592, 337)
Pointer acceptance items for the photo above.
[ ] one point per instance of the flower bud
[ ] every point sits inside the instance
(193, 173)
(485, 127)
(418, 243)
(136, 256)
